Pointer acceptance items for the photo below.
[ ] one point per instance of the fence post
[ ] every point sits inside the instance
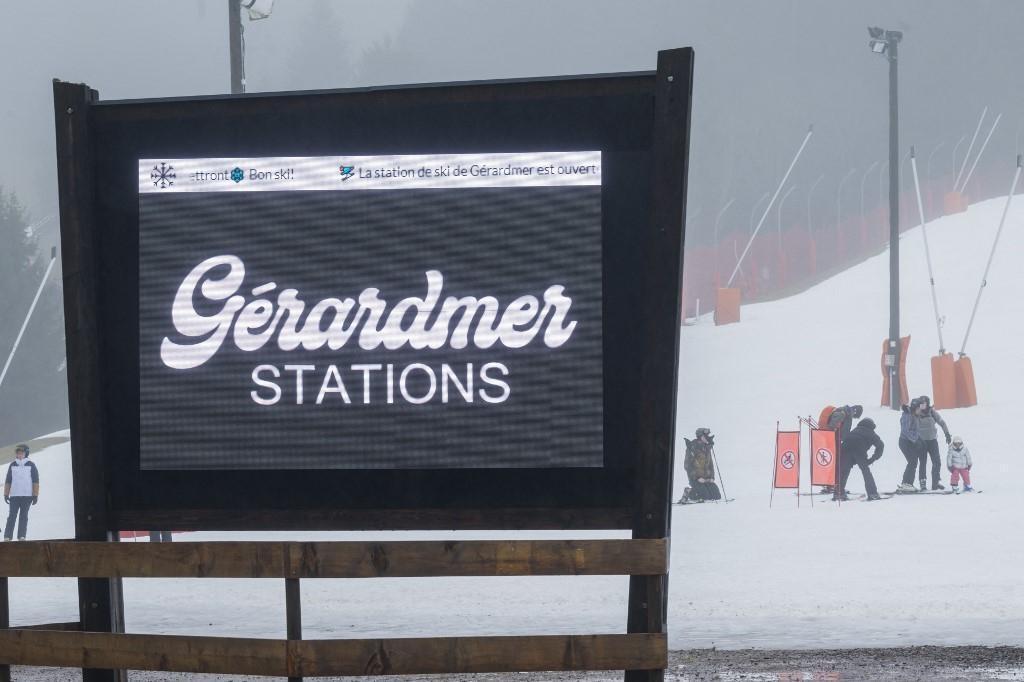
(5, 622)
(293, 613)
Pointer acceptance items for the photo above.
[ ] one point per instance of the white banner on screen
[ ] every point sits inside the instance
(334, 173)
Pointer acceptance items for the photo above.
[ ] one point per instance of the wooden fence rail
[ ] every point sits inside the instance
(292, 561)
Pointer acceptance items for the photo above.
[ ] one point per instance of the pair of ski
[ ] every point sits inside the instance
(936, 492)
(852, 497)
(684, 502)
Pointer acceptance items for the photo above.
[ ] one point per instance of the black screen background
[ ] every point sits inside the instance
(501, 242)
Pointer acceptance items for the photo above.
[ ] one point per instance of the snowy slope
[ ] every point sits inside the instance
(910, 570)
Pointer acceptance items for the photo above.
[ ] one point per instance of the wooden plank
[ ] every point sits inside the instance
(333, 559)
(5, 622)
(99, 601)
(167, 653)
(660, 316)
(267, 657)
(376, 519)
(293, 622)
(481, 654)
(482, 558)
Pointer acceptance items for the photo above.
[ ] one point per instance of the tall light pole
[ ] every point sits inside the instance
(886, 43)
(718, 218)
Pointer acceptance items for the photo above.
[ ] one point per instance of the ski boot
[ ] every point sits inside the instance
(924, 485)
(956, 489)
(968, 489)
(906, 488)
(938, 486)
(873, 497)
(685, 498)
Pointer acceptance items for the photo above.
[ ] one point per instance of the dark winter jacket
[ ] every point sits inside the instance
(861, 439)
(698, 462)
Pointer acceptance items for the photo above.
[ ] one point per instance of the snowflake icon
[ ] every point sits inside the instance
(237, 174)
(163, 176)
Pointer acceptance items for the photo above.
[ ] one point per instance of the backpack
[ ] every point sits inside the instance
(826, 414)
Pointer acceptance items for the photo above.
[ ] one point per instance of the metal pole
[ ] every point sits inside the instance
(714, 457)
(31, 309)
(778, 217)
(980, 152)
(984, 277)
(927, 252)
(959, 142)
(894, 227)
(807, 137)
(235, 44)
(970, 148)
(717, 219)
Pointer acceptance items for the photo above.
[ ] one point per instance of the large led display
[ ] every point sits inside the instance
(384, 312)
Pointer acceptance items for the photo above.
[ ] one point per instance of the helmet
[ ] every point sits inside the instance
(867, 423)
(858, 410)
(21, 447)
(958, 442)
(925, 399)
(703, 431)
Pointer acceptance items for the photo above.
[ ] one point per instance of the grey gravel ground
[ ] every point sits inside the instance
(977, 664)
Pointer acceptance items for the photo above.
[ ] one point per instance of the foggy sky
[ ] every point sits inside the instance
(764, 70)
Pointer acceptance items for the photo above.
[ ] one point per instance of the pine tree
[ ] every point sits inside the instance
(33, 397)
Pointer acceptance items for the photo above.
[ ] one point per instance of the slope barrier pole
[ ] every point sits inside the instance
(927, 252)
(991, 255)
(970, 148)
(31, 309)
(980, 152)
(807, 137)
(719, 470)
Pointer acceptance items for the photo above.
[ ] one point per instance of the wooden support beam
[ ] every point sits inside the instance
(43, 559)
(314, 658)
(5, 622)
(293, 615)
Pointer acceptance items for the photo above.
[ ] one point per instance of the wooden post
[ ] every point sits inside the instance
(648, 603)
(5, 622)
(99, 600)
(293, 611)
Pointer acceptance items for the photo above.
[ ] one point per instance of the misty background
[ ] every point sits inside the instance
(764, 72)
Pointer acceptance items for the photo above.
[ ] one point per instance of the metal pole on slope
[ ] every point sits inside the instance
(807, 137)
(980, 152)
(927, 252)
(31, 309)
(984, 277)
(970, 148)
(714, 457)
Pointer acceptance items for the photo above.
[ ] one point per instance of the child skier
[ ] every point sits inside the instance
(959, 463)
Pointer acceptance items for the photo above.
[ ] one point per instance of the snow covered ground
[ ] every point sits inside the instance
(928, 570)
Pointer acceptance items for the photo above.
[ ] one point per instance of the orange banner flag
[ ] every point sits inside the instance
(787, 459)
(823, 457)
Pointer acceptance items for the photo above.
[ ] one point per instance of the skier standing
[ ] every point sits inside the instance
(21, 490)
(927, 420)
(700, 467)
(959, 463)
(855, 452)
(911, 447)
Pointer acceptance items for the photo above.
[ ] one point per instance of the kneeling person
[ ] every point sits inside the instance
(854, 451)
(700, 467)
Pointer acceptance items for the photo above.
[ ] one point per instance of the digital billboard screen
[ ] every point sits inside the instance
(371, 312)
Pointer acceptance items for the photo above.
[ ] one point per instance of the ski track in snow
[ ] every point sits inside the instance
(926, 570)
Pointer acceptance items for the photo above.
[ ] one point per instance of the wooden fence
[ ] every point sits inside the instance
(65, 645)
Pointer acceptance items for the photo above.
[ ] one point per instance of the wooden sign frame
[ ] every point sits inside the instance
(639, 121)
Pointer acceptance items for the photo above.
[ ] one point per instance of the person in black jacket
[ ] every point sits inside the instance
(854, 451)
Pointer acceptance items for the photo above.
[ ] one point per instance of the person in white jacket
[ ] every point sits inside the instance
(21, 490)
(959, 463)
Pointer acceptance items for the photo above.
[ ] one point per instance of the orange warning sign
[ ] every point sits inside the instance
(787, 459)
(823, 457)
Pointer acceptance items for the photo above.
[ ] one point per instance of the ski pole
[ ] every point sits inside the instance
(717, 469)
(31, 309)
